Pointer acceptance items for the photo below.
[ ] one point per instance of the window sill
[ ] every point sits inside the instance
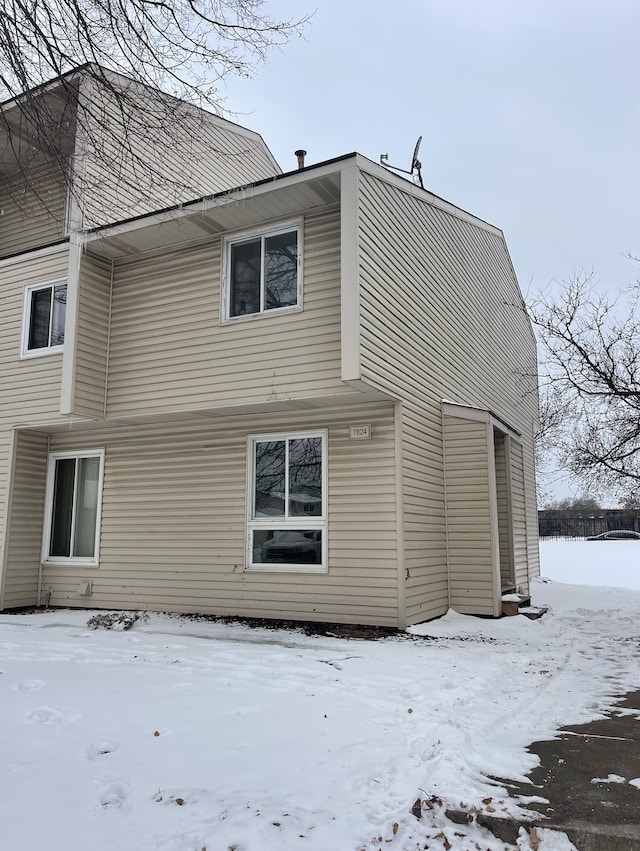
(39, 353)
(279, 567)
(71, 562)
(265, 314)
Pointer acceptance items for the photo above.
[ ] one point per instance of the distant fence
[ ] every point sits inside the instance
(576, 523)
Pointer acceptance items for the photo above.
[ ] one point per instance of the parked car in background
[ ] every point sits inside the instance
(616, 535)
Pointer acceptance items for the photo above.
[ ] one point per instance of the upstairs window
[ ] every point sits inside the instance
(262, 272)
(45, 307)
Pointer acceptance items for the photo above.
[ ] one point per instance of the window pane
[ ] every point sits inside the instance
(59, 311)
(60, 544)
(270, 479)
(305, 476)
(287, 546)
(86, 507)
(281, 270)
(39, 319)
(245, 278)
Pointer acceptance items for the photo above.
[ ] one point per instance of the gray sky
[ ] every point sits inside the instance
(529, 111)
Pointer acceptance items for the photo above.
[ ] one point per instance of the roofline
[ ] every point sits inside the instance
(43, 87)
(217, 195)
(62, 79)
(330, 166)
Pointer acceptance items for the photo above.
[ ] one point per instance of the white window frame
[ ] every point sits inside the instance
(283, 523)
(81, 561)
(25, 351)
(245, 236)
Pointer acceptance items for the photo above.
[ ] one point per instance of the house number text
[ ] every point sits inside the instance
(360, 432)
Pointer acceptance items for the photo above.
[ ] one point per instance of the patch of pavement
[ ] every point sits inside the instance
(585, 775)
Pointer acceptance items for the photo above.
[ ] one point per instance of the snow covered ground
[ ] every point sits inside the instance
(183, 735)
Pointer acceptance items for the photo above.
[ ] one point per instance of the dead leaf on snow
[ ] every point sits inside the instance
(395, 827)
(534, 838)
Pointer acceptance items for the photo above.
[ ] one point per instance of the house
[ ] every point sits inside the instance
(307, 395)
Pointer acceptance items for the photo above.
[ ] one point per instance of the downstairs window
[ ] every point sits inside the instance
(73, 504)
(287, 522)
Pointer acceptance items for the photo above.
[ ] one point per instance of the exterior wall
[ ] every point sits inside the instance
(30, 387)
(173, 522)
(168, 153)
(518, 502)
(29, 219)
(20, 586)
(471, 523)
(169, 352)
(441, 317)
(531, 510)
(504, 506)
(6, 455)
(426, 585)
(92, 338)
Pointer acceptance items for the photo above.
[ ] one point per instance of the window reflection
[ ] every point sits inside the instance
(305, 476)
(270, 479)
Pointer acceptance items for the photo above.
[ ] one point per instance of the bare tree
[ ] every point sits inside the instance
(591, 371)
(184, 48)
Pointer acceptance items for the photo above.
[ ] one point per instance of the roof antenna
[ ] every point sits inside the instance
(416, 166)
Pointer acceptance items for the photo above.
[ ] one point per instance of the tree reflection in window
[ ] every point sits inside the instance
(288, 477)
(47, 309)
(270, 478)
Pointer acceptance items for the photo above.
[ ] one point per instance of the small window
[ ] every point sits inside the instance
(262, 272)
(74, 497)
(45, 309)
(287, 520)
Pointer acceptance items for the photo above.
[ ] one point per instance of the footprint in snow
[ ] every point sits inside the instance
(115, 796)
(46, 715)
(101, 747)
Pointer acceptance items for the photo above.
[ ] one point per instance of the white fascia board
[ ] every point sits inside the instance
(349, 274)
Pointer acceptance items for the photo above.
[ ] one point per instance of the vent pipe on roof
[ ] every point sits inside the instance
(300, 155)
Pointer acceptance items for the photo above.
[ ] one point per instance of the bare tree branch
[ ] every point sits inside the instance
(184, 48)
(591, 370)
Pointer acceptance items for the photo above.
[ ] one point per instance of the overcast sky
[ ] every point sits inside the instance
(529, 112)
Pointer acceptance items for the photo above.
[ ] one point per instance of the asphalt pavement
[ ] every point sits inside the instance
(584, 774)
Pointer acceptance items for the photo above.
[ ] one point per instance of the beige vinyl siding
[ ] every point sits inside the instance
(441, 317)
(531, 511)
(32, 210)
(440, 308)
(6, 450)
(174, 517)
(505, 515)
(423, 514)
(92, 339)
(24, 539)
(182, 154)
(470, 519)
(169, 351)
(519, 516)
(30, 387)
